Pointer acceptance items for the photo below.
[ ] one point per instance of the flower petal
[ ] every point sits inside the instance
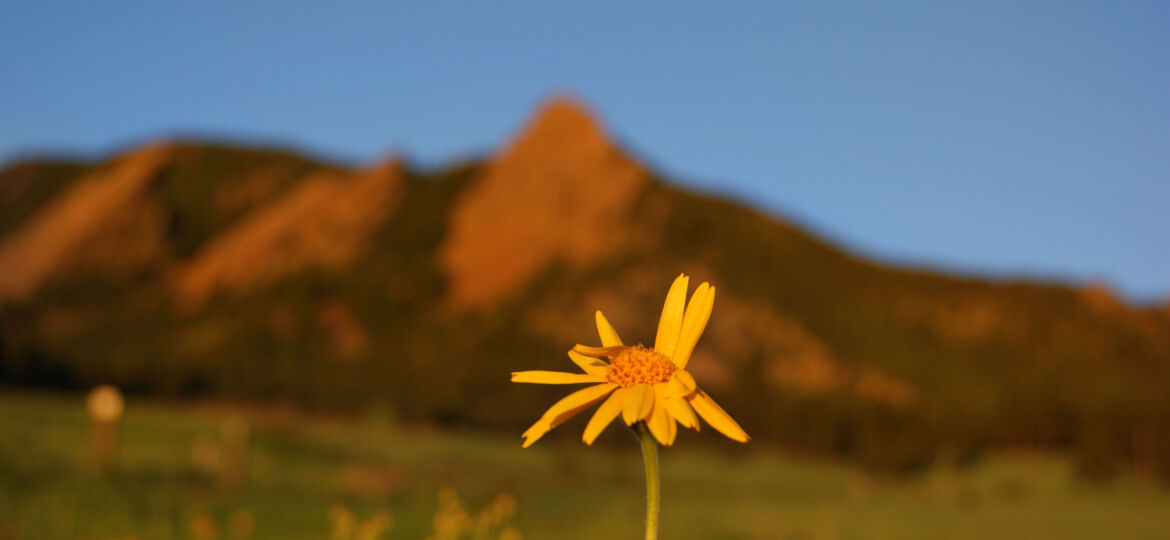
(716, 416)
(682, 384)
(639, 401)
(609, 336)
(670, 324)
(592, 366)
(605, 414)
(661, 424)
(554, 377)
(676, 406)
(695, 320)
(598, 352)
(565, 409)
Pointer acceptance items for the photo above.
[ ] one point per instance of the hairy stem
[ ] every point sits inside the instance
(650, 456)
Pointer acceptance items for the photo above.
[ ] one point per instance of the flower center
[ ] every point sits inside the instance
(637, 365)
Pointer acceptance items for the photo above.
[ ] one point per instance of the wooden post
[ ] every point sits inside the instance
(105, 406)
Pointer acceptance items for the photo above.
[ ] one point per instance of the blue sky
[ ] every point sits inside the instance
(994, 138)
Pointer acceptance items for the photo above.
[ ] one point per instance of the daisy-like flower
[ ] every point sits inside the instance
(639, 383)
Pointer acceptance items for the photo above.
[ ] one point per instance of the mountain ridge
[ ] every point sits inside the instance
(343, 286)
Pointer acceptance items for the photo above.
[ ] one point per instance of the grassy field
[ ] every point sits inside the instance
(302, 466)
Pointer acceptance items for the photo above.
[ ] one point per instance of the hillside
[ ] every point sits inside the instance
(188, 269)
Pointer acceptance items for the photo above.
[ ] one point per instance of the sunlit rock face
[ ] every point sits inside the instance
(324, 222)
(561, 190)
(78, 226)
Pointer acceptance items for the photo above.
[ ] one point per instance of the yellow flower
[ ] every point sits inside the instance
(640, 383)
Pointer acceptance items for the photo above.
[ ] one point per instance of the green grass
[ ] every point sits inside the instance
(301, 465)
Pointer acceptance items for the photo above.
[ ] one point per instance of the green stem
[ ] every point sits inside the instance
(650, 456)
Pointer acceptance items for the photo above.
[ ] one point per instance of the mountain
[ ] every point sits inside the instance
(193, 269)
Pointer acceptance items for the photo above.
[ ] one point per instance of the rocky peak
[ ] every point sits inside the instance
(560, 190)
(566, 123)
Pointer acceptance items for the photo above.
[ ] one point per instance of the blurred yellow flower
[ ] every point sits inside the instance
(640, 384)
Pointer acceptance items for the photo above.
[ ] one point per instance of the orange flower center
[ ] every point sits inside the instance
(637, 365)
